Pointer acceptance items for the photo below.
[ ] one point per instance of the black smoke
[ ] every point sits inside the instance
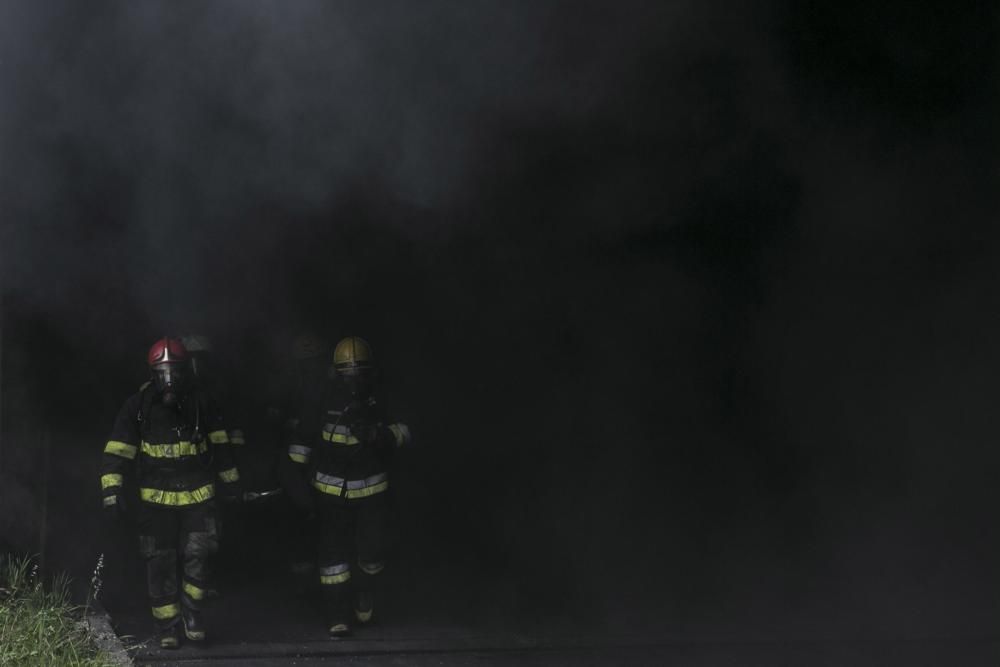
(690, 304)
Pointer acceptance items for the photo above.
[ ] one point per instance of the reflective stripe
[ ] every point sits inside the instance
(110, 500)
(236, 437)
(335, 579)
(166, 611)
(122, 449)
(110, 480)
(340, 438)
(335, 574)
(298, 453)
(371, 568)
(356, 488)
(336, 428)
(368, 490)
(193, 591)
(173, 450)
(218, 437)
(192, 497)
(329, 479)
(401, 432)
(231, 475)
(368, 481)
(336, 568)
(327, 488)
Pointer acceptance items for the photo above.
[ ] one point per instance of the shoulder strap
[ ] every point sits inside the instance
(145, 404)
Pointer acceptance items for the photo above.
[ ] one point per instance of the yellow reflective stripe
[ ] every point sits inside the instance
(368, 490)
(166, 611)
(236, 437)
(231, 475)
(351, 493)
(122, 449)
(340, 438)
(161, 497)
(110, 500)
(193, 591)
(110, 480)
(335, 578)
(218, 437)
(173, 450)
(298, 453)
(327, 488)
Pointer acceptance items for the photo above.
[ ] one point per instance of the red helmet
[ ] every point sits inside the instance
(167, 351)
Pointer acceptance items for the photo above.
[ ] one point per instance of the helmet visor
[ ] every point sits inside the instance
(168, 376)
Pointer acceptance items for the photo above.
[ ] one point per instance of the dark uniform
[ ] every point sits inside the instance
(342, 448)
(175, 453)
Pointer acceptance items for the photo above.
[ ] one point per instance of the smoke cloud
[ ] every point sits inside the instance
(699, 291)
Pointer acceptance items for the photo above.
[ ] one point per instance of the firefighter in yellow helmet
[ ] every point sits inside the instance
(342, 448)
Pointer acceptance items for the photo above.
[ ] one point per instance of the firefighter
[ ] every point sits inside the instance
(342, 449)
(169, 443)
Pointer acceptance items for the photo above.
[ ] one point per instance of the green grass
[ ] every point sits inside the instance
(38, 624)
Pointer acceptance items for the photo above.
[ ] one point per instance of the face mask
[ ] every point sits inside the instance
(358, 382)
(169, 381)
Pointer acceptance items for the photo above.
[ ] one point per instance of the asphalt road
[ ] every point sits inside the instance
(275, 622)
(433, 613)
(686, 654)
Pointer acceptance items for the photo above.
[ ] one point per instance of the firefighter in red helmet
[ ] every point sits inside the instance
(342, 448)
(169, 443)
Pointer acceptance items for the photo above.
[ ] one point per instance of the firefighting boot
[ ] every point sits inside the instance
(170, 638)
(194, 628)
(339, 630)
(364, 606)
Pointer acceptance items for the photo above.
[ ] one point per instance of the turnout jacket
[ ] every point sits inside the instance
(174, 454)
(342, 445)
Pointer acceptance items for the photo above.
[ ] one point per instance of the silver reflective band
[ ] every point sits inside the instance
(368, 481)
(336, 428)
(334, 569)
(299, 449)
(329, 479)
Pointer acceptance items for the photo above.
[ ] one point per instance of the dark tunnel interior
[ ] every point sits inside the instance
(691, 307)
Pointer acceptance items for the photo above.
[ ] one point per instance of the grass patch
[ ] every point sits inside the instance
(38, 624)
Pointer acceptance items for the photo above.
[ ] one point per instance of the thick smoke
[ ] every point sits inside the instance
(687, 302)
(154, 138)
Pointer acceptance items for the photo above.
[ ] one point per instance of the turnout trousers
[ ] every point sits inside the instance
(351, 552)
(176, 544)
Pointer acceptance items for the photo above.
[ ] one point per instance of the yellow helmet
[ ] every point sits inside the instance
(351, 355)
